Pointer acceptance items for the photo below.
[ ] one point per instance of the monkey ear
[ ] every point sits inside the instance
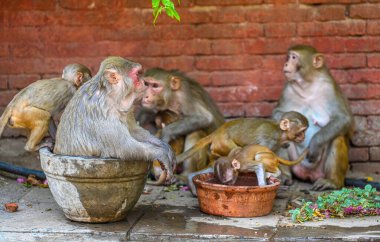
(284, 124)
(112, 76)
(318, 61)
(175, 83)
(79, 79)
(235, 164)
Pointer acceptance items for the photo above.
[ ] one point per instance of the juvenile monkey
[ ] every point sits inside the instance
(34, 106)
(246, 131)
(256, 158)
(243, 132)
(311, 90)
(99, 120)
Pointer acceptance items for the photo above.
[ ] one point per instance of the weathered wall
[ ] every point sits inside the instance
(235, 48)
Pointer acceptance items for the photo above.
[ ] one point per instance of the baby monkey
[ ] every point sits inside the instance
(251, 158)
(34, 106)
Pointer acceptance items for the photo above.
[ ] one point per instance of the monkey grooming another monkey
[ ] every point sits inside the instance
(99, 120)
(311, 90)
(173, 91)
(241, 132)
(256, 158)
(34, 106)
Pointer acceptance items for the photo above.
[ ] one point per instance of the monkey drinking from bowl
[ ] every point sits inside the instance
(242, 132)
(250, 158)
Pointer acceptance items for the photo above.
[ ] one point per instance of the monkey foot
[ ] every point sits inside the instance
(47, 144)
(323, 184)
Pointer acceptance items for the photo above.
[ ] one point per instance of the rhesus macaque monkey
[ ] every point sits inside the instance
(255, 158)
(244, 131)
(34, 106)
(311, 90)
(99, 120)
(175, 92)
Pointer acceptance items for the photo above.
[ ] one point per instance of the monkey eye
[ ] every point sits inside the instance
(155, 85)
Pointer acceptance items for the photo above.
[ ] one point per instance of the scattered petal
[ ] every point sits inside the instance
(21, 180)
(11, 207)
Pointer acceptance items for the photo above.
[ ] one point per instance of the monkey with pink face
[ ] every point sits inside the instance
(99, 120)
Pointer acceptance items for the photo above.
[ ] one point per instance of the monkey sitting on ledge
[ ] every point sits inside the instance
(311, 90)
(34, 106)
(256, 158)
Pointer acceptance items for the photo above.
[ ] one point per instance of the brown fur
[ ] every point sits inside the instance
(35, 105)
(311, 90)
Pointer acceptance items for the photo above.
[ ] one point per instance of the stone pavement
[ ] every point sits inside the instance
(162, 216)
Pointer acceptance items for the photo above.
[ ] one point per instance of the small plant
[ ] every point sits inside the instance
(168, 6)
(340, 203)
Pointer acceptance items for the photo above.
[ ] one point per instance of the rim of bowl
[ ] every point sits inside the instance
(221, 187)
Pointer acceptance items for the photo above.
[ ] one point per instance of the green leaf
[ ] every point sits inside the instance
(176, 16)
(168, 3)
(368, 187)
(169, 7)
(295, 213)
(169, 12)
(155, 4)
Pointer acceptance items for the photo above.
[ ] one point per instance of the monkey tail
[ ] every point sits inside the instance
(199, 145)
(292, 163)
(4, 118)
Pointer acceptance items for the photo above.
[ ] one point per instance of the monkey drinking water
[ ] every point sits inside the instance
(34, 106)
(311, 90)
(99, 120)
(242, 132)
(256, 158)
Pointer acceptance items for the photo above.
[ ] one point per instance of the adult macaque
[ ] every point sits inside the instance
(255, 158)
(311, 90)
(173, 91)
(34, 106)
(242, 132)
(99, 120)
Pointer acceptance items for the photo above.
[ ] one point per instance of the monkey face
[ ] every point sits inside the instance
(153, 94)
(229, 177)
(296, 133)
(291, 66)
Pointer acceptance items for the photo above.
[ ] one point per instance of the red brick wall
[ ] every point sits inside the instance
(235, 48)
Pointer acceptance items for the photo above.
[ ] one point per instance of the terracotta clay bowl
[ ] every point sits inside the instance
(243, 199)
(94, 190)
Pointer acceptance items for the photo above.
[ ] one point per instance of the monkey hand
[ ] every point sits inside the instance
(170, 163)
(315, 150)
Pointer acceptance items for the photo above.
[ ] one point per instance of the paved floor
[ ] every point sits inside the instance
(162, 216)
